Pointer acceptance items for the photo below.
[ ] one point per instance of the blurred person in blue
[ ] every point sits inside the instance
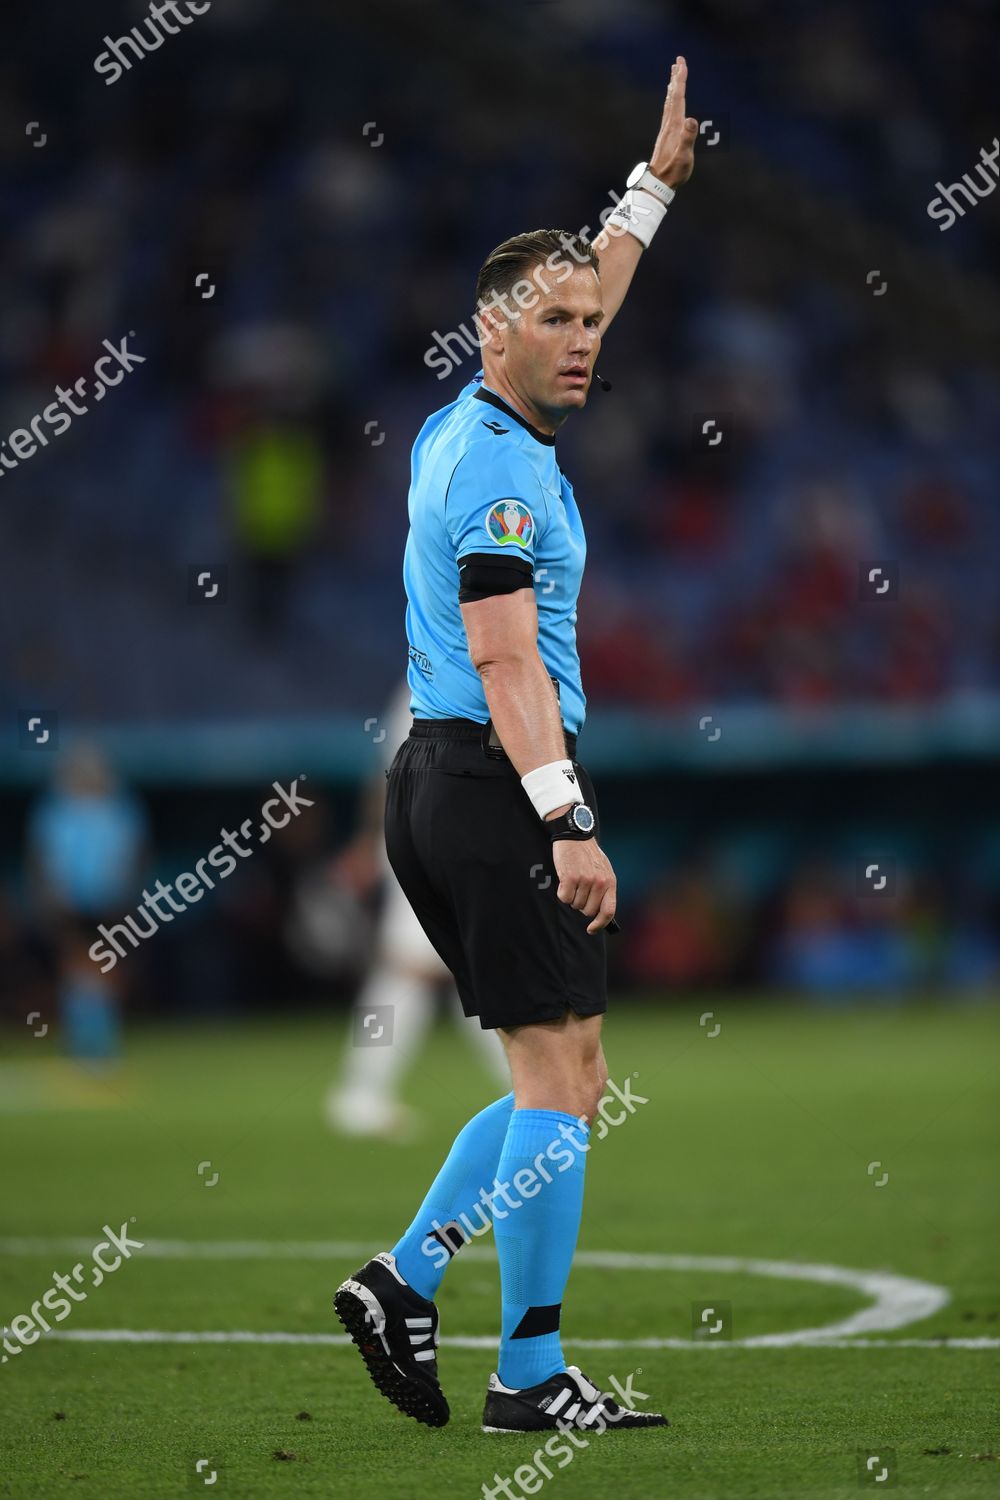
(86, 844)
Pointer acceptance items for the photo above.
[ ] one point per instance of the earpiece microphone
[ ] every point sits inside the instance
(604, 384)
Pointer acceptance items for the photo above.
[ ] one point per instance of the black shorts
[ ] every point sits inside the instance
(475, 863)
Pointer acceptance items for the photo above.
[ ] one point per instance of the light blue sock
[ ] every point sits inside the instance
(454, 1209)
(544, 1167)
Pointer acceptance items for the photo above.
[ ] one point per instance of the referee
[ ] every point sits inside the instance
(491, 822)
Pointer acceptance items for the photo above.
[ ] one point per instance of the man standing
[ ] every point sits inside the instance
(87, 842)
(491, 823)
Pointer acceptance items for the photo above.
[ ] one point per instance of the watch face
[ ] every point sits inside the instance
(635, 174)
(583, 818)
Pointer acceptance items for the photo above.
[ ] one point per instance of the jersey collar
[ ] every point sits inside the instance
(548, 438)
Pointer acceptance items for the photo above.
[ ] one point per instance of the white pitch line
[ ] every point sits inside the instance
(898, 1301)
(197, 1249)
(459, 1341)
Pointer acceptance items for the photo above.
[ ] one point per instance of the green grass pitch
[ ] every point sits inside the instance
(757, 1142)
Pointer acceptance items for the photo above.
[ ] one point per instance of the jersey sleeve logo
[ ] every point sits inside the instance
(510, 524)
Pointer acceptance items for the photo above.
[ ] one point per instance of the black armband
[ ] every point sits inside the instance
(482, 574)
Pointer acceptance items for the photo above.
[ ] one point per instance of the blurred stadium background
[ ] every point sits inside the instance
(763, 723)
(790, 633)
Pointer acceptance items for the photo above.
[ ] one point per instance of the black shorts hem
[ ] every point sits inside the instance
(539, 1014)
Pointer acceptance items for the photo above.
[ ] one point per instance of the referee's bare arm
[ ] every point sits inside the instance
(502, 632)
(672, 160)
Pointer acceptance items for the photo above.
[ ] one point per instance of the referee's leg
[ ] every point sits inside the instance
(559, 1075)
(558, 1064)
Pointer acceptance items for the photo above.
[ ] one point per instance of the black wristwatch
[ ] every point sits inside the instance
(576, 823)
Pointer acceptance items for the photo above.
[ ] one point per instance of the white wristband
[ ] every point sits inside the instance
(552, 786)
(638, 213)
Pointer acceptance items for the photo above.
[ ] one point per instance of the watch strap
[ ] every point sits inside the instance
(650, 183)
(564, 827)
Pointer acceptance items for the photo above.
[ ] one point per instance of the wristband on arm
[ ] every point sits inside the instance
(641, 209)
(551, 786)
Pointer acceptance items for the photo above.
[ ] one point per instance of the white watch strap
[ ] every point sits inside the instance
(650, 183)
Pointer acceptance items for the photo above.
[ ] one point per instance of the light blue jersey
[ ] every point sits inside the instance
(484, 480)
(88, 847)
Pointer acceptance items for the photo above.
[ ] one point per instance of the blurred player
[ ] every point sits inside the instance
(406, 975)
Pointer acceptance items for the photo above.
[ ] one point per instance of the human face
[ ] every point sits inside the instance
(548, 352)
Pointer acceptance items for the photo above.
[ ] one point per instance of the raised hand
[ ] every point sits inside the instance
(672, 158)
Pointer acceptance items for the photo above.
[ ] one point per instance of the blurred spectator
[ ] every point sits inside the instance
(276, 473)
(686, 935)
(831, 945)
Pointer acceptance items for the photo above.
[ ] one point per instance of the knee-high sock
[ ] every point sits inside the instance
(454, 1209)
(371, 1075)
(536, 1240)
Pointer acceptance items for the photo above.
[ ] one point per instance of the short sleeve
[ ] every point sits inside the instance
(495, 503)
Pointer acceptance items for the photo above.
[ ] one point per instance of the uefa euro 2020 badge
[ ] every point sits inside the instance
(510, 524)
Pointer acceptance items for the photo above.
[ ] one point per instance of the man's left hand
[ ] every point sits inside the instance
(672, 160)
